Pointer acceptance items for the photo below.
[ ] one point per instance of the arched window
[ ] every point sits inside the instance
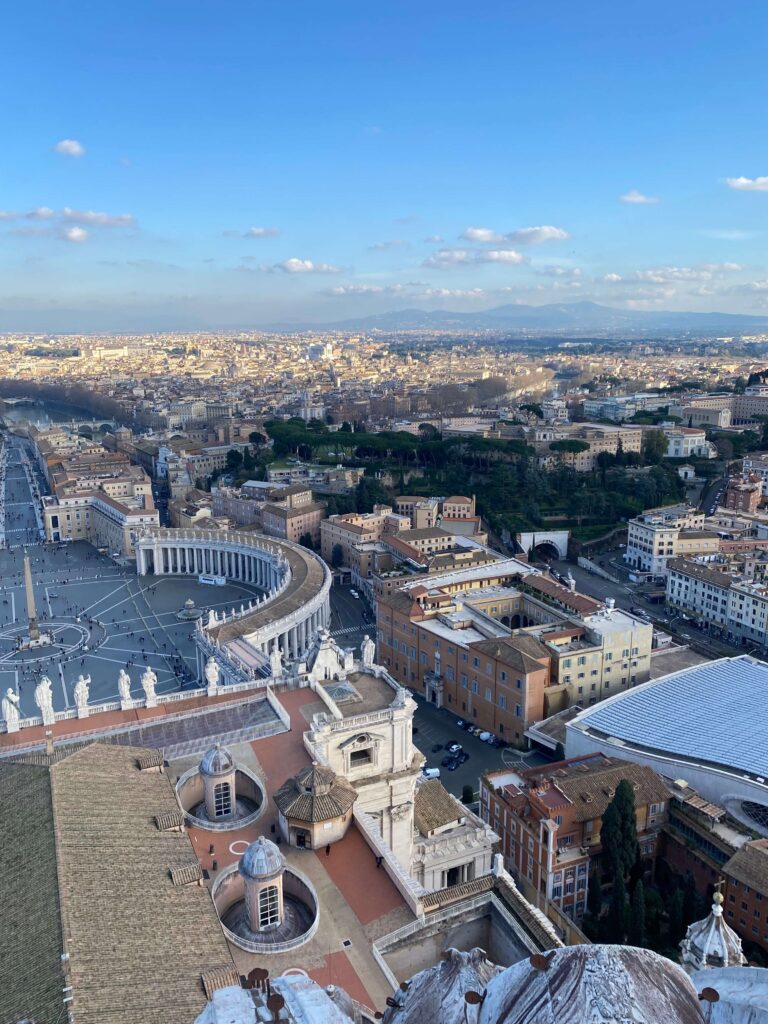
(222, 800)
(269, 906)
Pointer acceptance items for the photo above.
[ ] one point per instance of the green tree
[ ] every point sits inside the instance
(637, 935)
(369, 492)
(533, 407)
(234, 459)
(257, 439)
(693, 909)
(615, 922)
(337, 556)
(467, 793)
(595, 895)
(618, 835)
(676, 925)
(654, 447)
(654, 908)
(306, 540)
(569, 446)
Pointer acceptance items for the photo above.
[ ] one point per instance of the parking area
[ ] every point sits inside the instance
(437, 727)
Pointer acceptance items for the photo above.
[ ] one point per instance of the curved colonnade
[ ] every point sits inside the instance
(296, 583)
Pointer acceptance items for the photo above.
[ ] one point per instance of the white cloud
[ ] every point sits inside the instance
(481, 235)
(558, 271)
(105, 220)
(445, 258)
(261, 233)
(522, 236)
(729, 234)
(74, 234)
(70, 147)
(633, 196)
(664, 276)
(434, 239)
(395, 243)
(448, 258)
(748, 184)
(501, 256)
(367, 289)
(297, 266)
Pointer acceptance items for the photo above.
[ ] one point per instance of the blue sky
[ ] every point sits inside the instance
(204, 165)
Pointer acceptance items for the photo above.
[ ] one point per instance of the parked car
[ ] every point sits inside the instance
(463, 756)
(436, 747)
(461, 723)
(450, 761)
(485, 736)
(454, 748)
(430, 773)
(454, 765)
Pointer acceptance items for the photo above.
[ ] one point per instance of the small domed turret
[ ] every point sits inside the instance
(262, 860)
(217, 761)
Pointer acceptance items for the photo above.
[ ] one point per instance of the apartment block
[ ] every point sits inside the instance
(549, 820)
(660, 534)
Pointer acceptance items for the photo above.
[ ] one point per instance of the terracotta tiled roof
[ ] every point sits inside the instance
(315, 794)
(138, 944)
(591, 789)
(434, 807)
(750, 865)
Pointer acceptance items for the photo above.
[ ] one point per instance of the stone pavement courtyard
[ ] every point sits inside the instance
(103, 618)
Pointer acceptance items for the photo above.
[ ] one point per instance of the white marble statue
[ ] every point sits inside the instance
(368, 650)
(44, 699)
(81, 691)
(10, 707)
(212, 672)
(148, 684)
(124, 685)
(276, 662)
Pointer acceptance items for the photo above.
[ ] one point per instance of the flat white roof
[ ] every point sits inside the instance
(505, 567)
(715, 712)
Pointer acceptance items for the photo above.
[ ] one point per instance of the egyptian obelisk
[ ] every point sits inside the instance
(34, 629)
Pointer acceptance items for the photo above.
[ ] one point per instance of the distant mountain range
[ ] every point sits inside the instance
(580, 317)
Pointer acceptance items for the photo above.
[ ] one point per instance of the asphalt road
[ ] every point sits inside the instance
(351, 618)
(433, 726)
(628, 596)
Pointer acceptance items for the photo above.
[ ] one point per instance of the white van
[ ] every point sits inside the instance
(430, 773)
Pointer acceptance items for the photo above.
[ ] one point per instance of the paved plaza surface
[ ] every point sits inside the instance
(102, 617)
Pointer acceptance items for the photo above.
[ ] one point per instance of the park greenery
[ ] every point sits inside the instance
(513, 492)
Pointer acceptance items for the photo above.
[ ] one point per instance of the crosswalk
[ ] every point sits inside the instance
(346, 630)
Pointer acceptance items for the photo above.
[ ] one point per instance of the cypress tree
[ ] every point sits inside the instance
(615, 922)
(595, 895)
(637, 935)
(624, 799)
(676, 927)
(610, 840)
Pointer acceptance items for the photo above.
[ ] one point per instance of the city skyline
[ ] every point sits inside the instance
(182, 172)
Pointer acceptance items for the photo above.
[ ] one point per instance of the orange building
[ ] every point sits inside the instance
(549, 821)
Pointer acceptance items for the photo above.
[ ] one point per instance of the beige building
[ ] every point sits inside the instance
(663, 533)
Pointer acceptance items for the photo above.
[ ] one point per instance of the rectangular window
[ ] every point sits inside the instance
(222, 800)
(475, 686)
(463, 680)
(502, 702)
(518, 711)
(488, 693)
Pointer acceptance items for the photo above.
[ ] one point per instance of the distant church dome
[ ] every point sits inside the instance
(217, 761)
(712, 942)
(262, 860)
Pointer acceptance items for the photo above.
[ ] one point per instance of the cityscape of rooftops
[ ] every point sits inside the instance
(384, 514)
